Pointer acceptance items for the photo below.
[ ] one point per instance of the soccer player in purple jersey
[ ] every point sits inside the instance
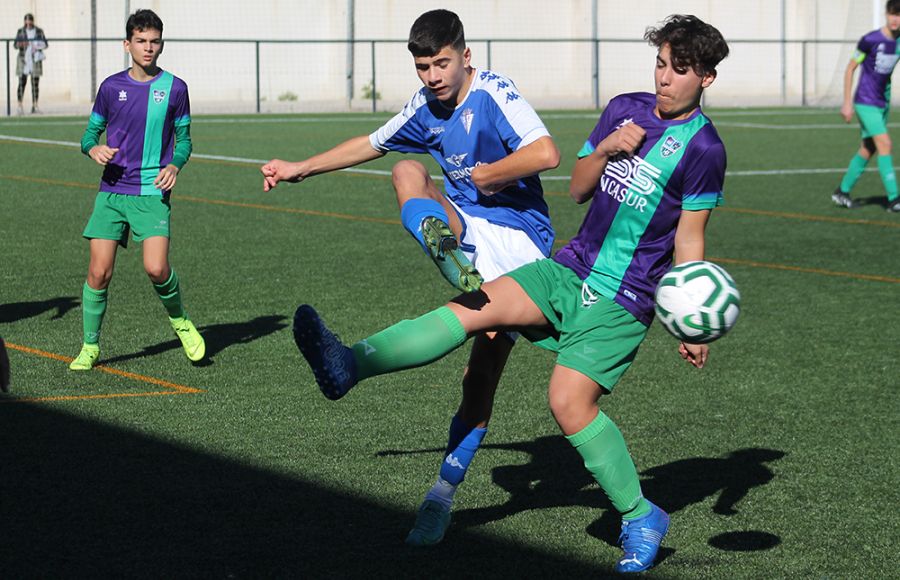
(654, 167)
(878, 53)
(146, 114)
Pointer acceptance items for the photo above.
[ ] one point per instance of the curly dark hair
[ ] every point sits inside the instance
(694, 43)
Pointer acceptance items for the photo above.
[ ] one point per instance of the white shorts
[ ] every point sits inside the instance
(497, 249)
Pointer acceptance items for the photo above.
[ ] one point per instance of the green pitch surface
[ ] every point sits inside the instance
(777, 460)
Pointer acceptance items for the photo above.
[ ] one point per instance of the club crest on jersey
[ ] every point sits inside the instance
(457, 159)
(158, 95)
(466, 118)
(123, 96)
(670, 146)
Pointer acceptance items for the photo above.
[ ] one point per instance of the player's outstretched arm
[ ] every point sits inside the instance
(349, 153)
(588, 169)
(535, 157)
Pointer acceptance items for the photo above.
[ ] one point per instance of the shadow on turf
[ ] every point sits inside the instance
(218, 337)
(21, 310)
(80, 499)
(556, 477)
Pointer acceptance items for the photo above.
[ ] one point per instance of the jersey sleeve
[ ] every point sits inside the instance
(862, 50)
(182, 108)
(515, 119)
(601, 130)
(404, 132)
(704, 179)
(96, 122)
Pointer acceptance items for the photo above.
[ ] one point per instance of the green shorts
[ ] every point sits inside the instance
(872, 119)
(597, 338)
(114, 214)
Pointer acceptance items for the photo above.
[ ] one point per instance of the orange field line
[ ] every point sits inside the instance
(176, 389)
(770, 266)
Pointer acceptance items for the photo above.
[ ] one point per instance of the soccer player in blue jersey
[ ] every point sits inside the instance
(490, 145)
(145, 112)
(654, 167)
(877, 52)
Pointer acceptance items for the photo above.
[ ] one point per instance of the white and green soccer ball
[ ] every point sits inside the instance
(697, 302)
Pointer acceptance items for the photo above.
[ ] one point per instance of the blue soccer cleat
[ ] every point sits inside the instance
(431, 524)
(332, 363)
(640, 540)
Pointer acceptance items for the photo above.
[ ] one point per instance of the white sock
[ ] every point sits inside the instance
(441, 492)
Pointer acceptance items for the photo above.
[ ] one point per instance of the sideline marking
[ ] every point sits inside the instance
(174, 388)
(382, 172)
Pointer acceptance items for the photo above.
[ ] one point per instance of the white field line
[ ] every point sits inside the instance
(382, 172)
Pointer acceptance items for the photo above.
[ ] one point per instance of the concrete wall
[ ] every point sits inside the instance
(222, 75)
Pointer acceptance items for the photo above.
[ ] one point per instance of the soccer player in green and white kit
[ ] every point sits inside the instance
(146, 114)
(654, 167)
(877, 52)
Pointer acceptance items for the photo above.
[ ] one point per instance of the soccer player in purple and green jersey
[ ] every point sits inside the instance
(146, 114)
(625, 242)
(654, 167)
(877, 53)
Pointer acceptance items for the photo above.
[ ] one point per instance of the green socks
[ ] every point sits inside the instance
(93, 307)
(605, 455)
(409, 343)
(888, 176)
(170, 294)
(856, 168)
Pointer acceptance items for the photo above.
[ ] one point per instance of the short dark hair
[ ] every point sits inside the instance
(434, 30)
(142, 20)
(694, 43)
(892, 7)
(29, 16)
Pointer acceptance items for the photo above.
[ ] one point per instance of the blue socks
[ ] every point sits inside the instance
(417, 209)
(462, 444)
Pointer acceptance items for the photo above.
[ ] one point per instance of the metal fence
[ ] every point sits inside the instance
(375, 74)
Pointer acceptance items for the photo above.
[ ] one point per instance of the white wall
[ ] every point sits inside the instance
(222, 75)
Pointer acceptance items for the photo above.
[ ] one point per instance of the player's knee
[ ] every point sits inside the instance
(407, 170)
(99, 276)
(158, 273)
(562, 404)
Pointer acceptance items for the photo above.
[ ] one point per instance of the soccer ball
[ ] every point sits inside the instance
(697, 302)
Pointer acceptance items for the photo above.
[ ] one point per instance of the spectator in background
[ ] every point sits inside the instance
(31, 42)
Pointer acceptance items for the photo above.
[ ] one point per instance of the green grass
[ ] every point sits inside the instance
(793, 426)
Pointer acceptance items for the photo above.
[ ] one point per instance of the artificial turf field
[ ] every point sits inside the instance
(777, 460)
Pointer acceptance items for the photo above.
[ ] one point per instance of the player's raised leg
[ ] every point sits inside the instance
(431, 220)
(94, 300)
(573, 401)
(168, 288)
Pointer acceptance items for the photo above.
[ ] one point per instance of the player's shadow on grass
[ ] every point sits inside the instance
(83, 499)
(21, 310)
(880, 200)
(556, 477)
(218, 337)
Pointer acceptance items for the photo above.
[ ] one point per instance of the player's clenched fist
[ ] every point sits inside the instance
(278, 170)
(626, 139)
(102, 154)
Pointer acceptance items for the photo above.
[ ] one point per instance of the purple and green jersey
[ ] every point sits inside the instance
(877, 55)
(149, 122)
(627, 239)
